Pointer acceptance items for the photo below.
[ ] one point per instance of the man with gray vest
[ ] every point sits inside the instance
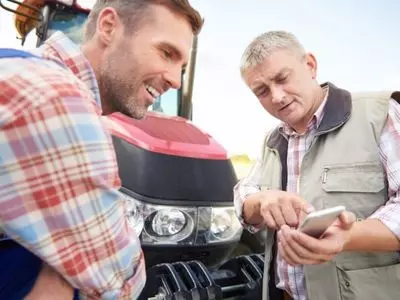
(331, 148)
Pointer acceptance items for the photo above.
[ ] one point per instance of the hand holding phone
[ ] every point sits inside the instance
(316, 223)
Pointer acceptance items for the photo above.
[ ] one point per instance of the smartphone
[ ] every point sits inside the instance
(317, 222)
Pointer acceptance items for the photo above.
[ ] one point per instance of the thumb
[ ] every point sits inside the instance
(347, 219)
(308, 208)
(305, 209)
(302, 206)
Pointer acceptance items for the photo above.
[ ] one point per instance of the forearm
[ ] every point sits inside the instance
(247, 204)
(372, 235)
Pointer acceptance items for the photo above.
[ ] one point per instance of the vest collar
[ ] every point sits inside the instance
(337, 109)
(337, 112)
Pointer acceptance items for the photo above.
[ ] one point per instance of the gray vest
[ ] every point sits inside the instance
(342, 167)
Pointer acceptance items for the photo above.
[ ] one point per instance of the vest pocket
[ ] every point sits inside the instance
(370, 284)
(360, 187)
(353, 178)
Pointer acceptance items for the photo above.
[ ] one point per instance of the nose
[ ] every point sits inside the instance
(174, 77)
(277, 94)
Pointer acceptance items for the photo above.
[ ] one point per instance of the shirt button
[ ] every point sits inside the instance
(347, 283)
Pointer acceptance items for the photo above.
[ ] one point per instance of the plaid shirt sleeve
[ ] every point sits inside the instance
(59, 181)
(389, 148)
(245, 187)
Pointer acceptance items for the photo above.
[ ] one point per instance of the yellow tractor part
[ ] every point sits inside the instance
(27, 18)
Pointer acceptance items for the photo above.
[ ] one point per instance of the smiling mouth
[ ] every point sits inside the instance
(152, 91)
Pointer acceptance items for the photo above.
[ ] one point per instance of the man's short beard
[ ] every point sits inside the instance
(128, 107)
(113, 98)
(119, 91)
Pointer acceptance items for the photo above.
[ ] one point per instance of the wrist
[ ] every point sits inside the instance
(347, 243)
(349, 239)
(252, 210)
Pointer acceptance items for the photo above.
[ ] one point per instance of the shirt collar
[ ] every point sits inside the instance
(62, 50)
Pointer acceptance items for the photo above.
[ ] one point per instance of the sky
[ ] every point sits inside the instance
(356, 43)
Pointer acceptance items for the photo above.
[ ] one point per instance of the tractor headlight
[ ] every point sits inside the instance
(221, 222)
(161, 224)
(224, 225)
(218, 225)
(169, 225)
(167, 222)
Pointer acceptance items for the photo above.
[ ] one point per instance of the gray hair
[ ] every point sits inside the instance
(267, 43)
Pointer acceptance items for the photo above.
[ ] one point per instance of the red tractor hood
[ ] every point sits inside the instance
(167, 135)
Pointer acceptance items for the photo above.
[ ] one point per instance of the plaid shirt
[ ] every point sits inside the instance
(58, 173)
(291, 278)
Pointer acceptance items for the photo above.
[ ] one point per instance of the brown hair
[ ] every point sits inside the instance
(132, 12)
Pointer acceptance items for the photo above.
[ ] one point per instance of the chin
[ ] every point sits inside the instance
(138, 115)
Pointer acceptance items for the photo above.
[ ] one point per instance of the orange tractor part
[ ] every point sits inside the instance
(28, 16)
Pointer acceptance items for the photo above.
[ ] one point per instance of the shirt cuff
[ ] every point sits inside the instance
(389, 215)
(249, 227)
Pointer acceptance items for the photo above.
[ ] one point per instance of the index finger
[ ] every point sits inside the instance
(289, 212)
(299, 203)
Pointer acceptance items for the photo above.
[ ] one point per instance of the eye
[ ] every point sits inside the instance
(262, 92)
(167, 54)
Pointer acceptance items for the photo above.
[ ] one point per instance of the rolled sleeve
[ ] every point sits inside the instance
(245, 187)
(389, 215)
(389, 148)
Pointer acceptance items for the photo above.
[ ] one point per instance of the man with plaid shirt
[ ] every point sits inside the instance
(59, 179)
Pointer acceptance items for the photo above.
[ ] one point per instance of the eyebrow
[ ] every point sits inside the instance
(257, 87)
(260, 85)
(280, 73)
(184, 66)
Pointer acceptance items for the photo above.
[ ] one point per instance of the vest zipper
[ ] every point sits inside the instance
(324, 175)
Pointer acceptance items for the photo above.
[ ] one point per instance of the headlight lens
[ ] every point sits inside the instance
(220, 224)
(225, 226)
(161, 224)
(167, 222)
(169, 225)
